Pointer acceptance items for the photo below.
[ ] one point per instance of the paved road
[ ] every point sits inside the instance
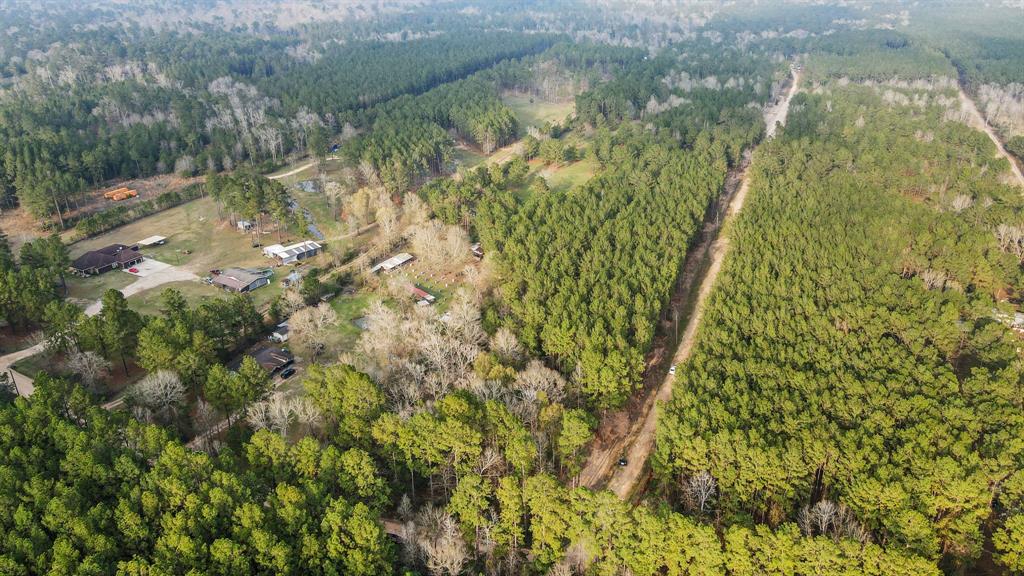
(636, 446)
(976, 120)
(21, 382)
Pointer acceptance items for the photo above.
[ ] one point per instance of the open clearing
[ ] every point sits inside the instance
(534, 111)
(564, 178)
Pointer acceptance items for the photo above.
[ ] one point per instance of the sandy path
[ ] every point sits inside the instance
(637, 445)
(293, 171)
(976, 120)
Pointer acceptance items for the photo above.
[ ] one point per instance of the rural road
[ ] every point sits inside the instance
(636, 446)
(293, 171)
(976, 120)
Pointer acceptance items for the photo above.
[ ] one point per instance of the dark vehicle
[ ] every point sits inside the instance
(287, 373)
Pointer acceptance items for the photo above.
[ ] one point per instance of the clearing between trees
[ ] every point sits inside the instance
(600, 470)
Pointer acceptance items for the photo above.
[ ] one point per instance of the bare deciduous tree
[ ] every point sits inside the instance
(387, 216)
(933, 279)
(258, 416)
(538, 378)
(1011, 239)
(306, 413)
(162, 392)
(279, 409)
(701, 487)
(961, 202)
(205, 415)
(90, 367)
(415, 210)
(463, 319)
(310, 327)
(438, 536)
(828, 518)
(506, 346)
(818, 519)
(369, 173)
(451, 359)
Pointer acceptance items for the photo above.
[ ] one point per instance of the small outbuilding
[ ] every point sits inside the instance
(394, 262)
(240, 280)
(280, 333)
(106, 259)
(421, 296)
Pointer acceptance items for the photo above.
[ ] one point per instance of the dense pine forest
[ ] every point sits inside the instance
(449, 287)
(878, 379)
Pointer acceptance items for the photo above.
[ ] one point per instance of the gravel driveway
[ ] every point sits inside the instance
(166, 275)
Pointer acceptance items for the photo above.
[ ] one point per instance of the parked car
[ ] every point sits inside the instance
(287, 373)
(672, 370)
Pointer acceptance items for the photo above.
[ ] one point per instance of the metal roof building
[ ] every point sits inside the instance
(152, 241)
(239, 280)
(293, 253)
(393, 262)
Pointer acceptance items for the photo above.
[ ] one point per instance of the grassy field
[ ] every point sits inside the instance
(538, 111)
(197, 240)
(92, 288)
(33, 365)
(148, 301)
(563, 178)
(349, 307)
(467, 158)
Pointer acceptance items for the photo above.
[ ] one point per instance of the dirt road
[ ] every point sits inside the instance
(293, 171)
(976, 120)
(600, 470)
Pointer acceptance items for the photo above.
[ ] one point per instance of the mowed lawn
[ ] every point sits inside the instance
(348, 307)
(539, 111)
(88, 290)
(198, 239)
